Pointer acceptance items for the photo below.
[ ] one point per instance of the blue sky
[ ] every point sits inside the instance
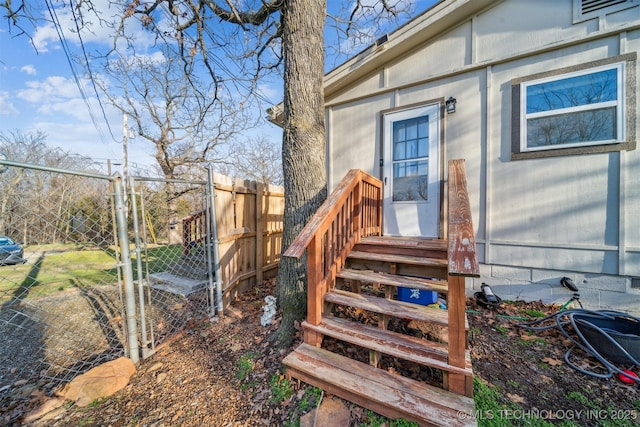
(38, 90)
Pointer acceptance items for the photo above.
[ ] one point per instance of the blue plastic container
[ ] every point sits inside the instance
(417, 296)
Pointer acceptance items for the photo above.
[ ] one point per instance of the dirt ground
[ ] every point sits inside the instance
(228, 373)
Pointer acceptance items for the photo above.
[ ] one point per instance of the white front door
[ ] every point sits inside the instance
(411, 171)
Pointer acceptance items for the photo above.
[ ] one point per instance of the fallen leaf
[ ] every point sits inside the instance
(552, 362)
(546, 379)
(515, 398)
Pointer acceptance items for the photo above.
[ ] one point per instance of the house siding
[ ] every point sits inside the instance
(555, 216)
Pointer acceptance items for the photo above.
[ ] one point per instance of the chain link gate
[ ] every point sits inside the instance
(173, 257)
(96, 281)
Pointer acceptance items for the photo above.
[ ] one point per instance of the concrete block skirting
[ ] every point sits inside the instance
(597, 291)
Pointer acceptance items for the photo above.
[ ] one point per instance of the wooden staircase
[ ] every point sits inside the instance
(364, 343)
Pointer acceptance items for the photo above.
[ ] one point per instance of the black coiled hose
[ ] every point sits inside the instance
(578, 320)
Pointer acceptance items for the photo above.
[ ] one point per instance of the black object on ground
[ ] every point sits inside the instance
(611, 337)
(486, 298)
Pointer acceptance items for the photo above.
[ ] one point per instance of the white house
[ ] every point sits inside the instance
(540, 99)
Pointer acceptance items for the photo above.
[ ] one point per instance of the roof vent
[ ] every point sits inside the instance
(382, 40)
(588, 9)
(589, 6)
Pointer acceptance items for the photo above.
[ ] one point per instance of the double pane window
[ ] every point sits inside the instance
(575, 109)
(411, 159)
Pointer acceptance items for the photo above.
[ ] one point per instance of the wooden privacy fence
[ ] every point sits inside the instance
(249, 219)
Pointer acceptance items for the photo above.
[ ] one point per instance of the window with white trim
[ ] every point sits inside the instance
(582, 109)
(576, 109)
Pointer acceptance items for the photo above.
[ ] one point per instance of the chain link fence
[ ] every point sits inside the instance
(174, 283)
(72, 294)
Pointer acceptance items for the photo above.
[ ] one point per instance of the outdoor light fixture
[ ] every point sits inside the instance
(451, 105)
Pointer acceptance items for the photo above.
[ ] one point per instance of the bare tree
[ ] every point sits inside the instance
(257, 159)
(32, 202)
(185, 120)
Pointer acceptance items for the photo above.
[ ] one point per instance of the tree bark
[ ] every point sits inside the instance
(303, 146)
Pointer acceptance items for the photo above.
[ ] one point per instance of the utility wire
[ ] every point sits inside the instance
(65, 47)
(91, 78)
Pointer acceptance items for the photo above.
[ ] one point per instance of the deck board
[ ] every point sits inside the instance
(389, 394)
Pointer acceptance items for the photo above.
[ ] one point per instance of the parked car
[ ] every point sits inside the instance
(10, 252)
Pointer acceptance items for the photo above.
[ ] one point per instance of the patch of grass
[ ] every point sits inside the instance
(533, 313)
(541, 341)
(492, 409)
(373, 420)
(56, 269)
(97, 402)
(310, 399)
(281, 389)
(293, 423)
(582, 399)
(475, 331)
(245, 366)
(503, 331)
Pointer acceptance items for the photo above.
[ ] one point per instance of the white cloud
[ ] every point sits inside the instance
(29, 69)
(51, 89)
(6, 106)
(44, 36)
(82, 138)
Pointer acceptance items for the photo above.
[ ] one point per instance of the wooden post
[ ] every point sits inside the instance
(457, 334)
(260, 231)
(357, 209)
(315, 297)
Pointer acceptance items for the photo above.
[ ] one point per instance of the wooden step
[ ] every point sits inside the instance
(416, 246)
(399, 309)
(400, 259)
(388, 394)
(406, 265)
(368, 276)
(417, 350)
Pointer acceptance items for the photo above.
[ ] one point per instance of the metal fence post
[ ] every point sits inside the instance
(146, 351)
(212, 240)
(130, 303)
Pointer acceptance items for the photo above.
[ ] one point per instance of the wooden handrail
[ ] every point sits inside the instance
(352, 211)
(326, 214)
(463, 259)
(463, 262)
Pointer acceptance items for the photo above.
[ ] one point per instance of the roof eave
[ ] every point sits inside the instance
(442, 16)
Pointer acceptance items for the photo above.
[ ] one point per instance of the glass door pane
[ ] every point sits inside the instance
(411, 159)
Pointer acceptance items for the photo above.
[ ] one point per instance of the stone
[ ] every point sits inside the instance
(99, 382)
(155, 366)
(43, 410)
(330, 413)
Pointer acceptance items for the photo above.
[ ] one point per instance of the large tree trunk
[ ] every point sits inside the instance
(303, 146)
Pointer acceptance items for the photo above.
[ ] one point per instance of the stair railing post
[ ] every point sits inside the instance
(456, 300)
(315, 293)
(357, 209)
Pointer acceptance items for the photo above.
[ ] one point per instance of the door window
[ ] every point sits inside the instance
(411, 159)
